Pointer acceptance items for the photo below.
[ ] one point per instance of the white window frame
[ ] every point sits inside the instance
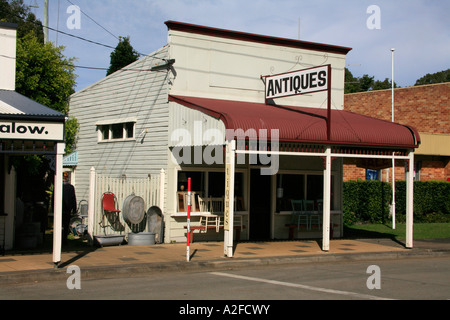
(110, 123)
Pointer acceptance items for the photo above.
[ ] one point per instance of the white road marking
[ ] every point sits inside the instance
(301, 286)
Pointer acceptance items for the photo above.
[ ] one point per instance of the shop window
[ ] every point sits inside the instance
(117, 131)
(289, 187)
(300, 187)
(208, 184)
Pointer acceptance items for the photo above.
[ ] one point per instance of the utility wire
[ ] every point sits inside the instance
(81, 38)
(94, 21)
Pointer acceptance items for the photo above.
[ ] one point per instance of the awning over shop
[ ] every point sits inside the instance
(305, 125)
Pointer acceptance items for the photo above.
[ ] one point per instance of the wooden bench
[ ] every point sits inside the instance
(206, 228)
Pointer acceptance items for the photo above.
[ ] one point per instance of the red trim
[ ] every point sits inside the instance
(237, 35)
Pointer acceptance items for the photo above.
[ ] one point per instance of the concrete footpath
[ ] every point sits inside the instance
(128, 261)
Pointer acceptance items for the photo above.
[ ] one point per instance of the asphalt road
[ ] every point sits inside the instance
(407, 279)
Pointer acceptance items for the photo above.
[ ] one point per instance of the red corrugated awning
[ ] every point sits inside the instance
(305, 125)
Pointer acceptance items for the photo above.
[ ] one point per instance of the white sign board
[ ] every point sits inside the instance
(22, 130)
(298, 82)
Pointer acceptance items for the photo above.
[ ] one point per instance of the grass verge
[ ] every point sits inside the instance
(420, 231)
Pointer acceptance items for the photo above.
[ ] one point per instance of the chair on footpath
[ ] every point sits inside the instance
(110, 211)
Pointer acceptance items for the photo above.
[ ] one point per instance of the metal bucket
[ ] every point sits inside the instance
(133, 210)
(141, 239)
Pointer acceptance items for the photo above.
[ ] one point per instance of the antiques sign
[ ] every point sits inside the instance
(298, 82)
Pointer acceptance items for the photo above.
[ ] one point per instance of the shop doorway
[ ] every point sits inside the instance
(259, 206)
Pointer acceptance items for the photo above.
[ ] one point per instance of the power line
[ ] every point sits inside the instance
(94, 21)
(81, 38)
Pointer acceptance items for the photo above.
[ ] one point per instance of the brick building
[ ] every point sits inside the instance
(427, 108)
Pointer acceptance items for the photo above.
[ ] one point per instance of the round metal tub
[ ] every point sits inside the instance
(133, 210)
(141, 239)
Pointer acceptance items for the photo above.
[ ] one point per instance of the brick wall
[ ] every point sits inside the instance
(427, 108)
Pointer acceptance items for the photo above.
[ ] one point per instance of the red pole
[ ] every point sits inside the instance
(188, 222)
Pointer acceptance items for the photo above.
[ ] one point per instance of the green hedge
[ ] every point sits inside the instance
(369, 201)
(366, 201)
(431, 201)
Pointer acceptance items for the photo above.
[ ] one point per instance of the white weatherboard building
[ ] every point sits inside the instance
(26, 128)
(198, 108)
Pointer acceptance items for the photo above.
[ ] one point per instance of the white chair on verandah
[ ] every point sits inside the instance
(299, 217)
(316, 217)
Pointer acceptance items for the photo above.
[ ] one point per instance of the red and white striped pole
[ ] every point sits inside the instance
(188, 222)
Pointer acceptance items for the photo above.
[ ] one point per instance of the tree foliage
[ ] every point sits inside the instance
(43, 73)
(15, 11)
(438, 77)
(364, 83)
(123, 55)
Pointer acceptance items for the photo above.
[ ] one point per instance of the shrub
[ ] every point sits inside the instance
(366, 201)
(369, 201)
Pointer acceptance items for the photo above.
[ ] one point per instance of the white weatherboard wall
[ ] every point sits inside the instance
(220, 68)
(133, 92)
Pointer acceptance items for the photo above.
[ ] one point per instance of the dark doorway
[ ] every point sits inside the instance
(259, 206)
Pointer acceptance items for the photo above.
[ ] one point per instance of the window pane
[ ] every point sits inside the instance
(129, 127)
(197, 179)
(105, 132)
(314, 189)
(117, 131)
(289, 187)
(216, 184)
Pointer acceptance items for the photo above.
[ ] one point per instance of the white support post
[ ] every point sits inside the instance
(410, 201)
(162, 181)
(91, 208)
(229, 199)
(57, 204)
(326, 201)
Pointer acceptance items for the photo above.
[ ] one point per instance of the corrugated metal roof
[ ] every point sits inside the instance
(305, 125)
(18, 106)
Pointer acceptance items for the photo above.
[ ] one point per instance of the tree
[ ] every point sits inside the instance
(364, 83)
(43, 74)
(438, 77)
(16, 11)
(123, 55)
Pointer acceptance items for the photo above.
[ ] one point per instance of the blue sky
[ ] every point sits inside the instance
(419, 30)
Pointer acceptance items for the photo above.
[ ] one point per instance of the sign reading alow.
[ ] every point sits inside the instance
(298, 82)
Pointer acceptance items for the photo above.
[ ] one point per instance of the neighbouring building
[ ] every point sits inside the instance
(26, 128)
(427, 108)
(256, 122)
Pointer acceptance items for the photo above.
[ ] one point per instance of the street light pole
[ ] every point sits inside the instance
(46, 22)
(393, 154)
